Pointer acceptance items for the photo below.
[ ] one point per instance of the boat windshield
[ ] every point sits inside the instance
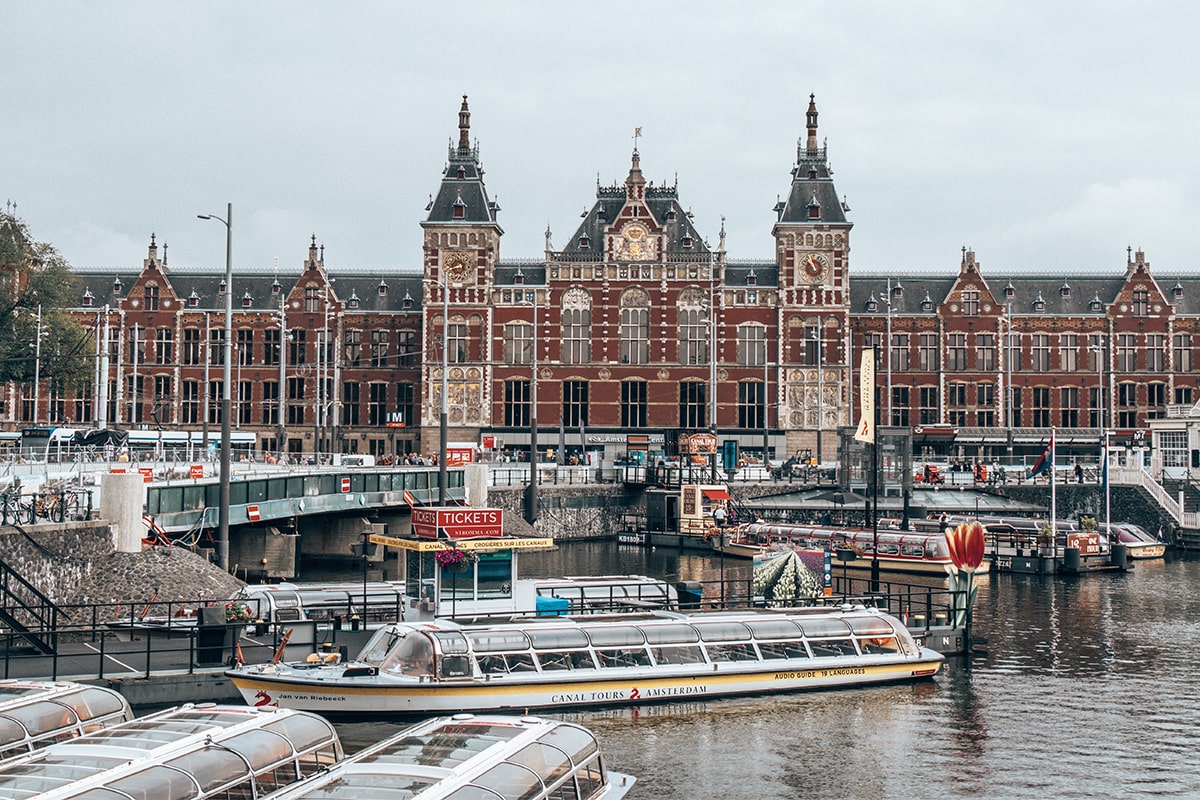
(411, 655)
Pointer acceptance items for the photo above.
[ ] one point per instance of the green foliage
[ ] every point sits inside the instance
(34, 273)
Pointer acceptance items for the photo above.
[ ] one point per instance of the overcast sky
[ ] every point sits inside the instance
(1045, 135)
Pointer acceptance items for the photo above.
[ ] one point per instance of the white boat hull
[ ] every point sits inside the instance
(381, 694)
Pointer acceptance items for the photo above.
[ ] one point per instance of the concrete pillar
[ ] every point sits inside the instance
(122, 503)
(476, 481)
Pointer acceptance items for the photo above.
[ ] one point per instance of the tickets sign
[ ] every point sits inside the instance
(457, 523)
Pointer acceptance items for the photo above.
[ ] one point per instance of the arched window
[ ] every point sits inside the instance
(576, 326)
(693, 327)
(635, 326)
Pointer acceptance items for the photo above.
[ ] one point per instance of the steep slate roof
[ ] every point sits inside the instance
(462, 183)
(812, 182)
(661, 201)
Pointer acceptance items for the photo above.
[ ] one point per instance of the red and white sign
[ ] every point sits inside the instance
(345, 484)
(458, 523)
(489, 443)
(458, 456)
(196, 471)
(1088, 543)
(147, 474)
(252, 513)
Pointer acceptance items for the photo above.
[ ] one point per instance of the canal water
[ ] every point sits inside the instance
(1087, 689)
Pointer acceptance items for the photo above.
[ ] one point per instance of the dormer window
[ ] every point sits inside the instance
(353, 301)
(898, 290)
(462, 174)
(1095, 304)
(671, 215)
(600, 215)
(460, 208)
(519, 278)
(814, 208)
(193, 299)
(1065, 290)
(1009, 291)
(687, 241)
(117, 286)
(1177, 291)
(407, 303)
(87, 297)
(247, 299)
(872, 305)
(1039, 304)
(276, 288)
(382, 289)
(927, 303)
(752, 279)
(585, 242)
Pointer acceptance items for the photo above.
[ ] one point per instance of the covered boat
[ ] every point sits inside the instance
(917, 552)
(560, 663)
(34, 714)
(469, 756)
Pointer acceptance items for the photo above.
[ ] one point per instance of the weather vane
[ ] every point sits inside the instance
(637, 133)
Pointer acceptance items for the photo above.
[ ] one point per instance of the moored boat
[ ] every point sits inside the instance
(34, 714)
(560, 663)
(1139, 543)
(469, 756)
(919, 552)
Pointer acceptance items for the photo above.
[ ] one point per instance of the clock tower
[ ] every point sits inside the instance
(461, 245)
(812, 250)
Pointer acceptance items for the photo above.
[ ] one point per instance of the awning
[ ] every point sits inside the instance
(717, 494)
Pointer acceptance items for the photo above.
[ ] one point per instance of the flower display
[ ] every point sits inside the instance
(237, 612)
(966, 544)
(453, 557)
(783, 580)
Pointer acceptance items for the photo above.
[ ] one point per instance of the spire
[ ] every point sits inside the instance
(811, 121)
(312, 250)
(464, 128)
(636, 182)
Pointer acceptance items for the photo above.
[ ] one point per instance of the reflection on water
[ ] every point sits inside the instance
(1085, 690)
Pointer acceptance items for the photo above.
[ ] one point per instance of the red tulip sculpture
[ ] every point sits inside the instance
(966, 545)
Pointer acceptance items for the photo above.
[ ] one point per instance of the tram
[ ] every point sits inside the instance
(565, 662)
(468, 756)
(34, 714)
(192, 751)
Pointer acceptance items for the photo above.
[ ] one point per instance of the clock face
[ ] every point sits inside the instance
(457, 265)
(814, 267)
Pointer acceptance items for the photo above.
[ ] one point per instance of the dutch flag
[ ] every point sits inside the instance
(1045, 462)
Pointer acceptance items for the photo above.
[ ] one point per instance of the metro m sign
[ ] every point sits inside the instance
(458, 523)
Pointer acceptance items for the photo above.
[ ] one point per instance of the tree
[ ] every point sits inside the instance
(34, 274)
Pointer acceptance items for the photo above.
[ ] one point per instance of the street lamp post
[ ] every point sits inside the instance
(283, 335)
(226, 396)
(531, 511)
(445, 413)
(819, 337)
(37, 364)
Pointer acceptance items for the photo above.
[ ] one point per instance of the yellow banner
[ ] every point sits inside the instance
(429, 546)
(866, 387)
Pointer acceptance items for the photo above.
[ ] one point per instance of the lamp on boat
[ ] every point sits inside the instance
(364, 550)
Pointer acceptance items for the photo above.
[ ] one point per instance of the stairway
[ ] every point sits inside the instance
(26, 612)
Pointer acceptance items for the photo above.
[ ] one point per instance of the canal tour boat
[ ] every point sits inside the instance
(377, 603)
(195, 752)
(918, 552)
(560, 663)
(34, 714)
(469, 756)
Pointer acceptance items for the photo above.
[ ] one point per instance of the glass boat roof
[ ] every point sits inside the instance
(177, 753)
(35, 711)
(459, 757)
